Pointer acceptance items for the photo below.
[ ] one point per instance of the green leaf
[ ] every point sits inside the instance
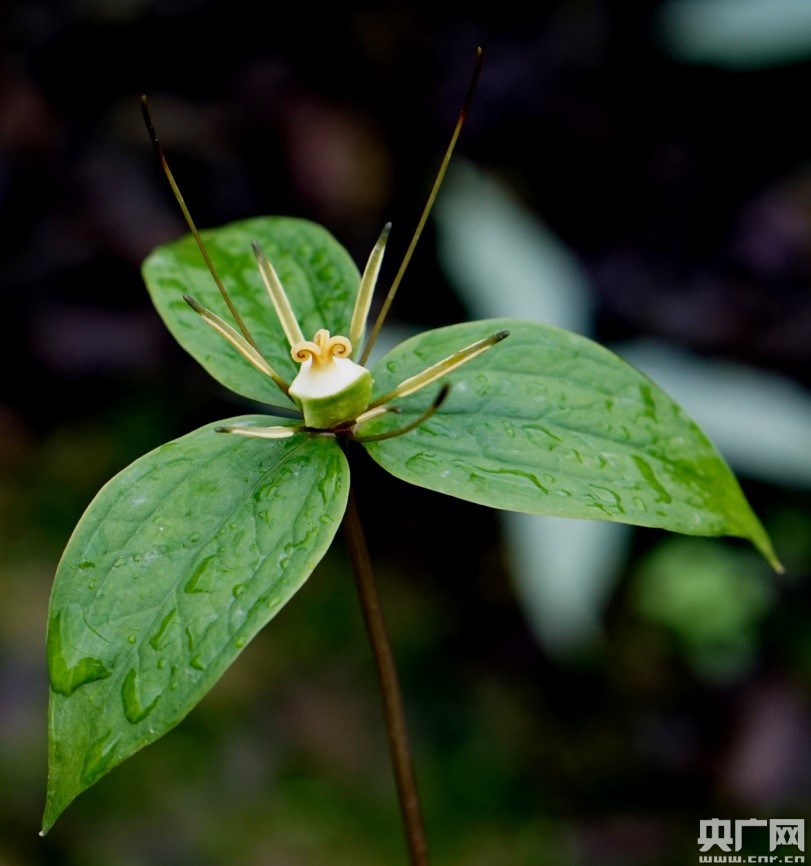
(177, 563)
(318, 275)
(548, 422)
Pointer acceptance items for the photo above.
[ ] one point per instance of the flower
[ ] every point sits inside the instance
(332, 391)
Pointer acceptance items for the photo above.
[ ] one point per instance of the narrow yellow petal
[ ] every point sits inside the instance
(371, 413)
(248, 352)
(367, 287)
(261, 432)
(278, 296)
(407, 428)
(441, 368)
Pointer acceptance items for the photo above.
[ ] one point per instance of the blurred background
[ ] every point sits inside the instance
(578, 693)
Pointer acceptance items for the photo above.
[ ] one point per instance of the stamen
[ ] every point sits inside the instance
(428, 413)
(321, 349)
(248, 352)
(384, 310)
(278, 295)
(190, 222)
(261, 432)
(367, 287)
(441, 368)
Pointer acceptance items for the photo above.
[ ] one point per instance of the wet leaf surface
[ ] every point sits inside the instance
(548, 422)
(178, 562)
(317, 273)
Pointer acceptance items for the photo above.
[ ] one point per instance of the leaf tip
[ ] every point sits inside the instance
(763, 543)
(774, 562)
(52, 811)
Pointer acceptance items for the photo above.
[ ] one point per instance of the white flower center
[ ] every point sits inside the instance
(325, 367)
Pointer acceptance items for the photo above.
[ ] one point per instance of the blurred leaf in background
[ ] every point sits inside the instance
(737, 34)
(711, 598)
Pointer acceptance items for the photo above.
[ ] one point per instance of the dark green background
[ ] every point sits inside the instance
(669, 181)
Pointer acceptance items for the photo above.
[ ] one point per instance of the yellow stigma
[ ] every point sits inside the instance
(321, 349)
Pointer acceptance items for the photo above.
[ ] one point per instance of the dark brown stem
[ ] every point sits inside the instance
(389, 685)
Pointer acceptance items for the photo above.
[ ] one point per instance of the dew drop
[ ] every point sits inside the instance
(197, 663)
(325, 488)
(65, 678)
(131, 700)
(239, 642)
(646, 470)
(131, 639)
(191, 585)
(421, 464)
(154, 641)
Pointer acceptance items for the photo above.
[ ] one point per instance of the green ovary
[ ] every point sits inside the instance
(326, 413)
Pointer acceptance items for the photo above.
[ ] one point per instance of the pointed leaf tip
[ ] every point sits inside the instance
(552, 423)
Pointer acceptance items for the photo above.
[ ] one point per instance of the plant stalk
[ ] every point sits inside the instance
(392, 698)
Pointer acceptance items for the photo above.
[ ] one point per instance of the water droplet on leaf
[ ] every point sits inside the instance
(134, 710)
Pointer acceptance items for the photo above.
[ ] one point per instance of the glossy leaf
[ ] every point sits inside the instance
(177, 563)
(317, 273)
(548, 422)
